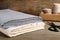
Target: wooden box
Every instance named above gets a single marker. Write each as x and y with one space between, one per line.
52 17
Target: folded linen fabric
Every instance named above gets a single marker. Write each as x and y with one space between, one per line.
13 23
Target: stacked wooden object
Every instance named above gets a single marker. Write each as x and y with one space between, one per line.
50 15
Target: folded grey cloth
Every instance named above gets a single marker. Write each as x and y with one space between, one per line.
10 18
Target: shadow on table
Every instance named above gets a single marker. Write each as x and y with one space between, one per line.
3 35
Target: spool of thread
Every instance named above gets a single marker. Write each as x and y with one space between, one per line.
47 11
56 8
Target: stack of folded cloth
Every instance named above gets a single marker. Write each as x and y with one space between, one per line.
13 23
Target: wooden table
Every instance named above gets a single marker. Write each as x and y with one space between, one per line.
50 18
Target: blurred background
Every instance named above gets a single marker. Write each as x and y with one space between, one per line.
28 6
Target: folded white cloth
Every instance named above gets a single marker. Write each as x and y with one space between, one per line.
13 23
8 15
